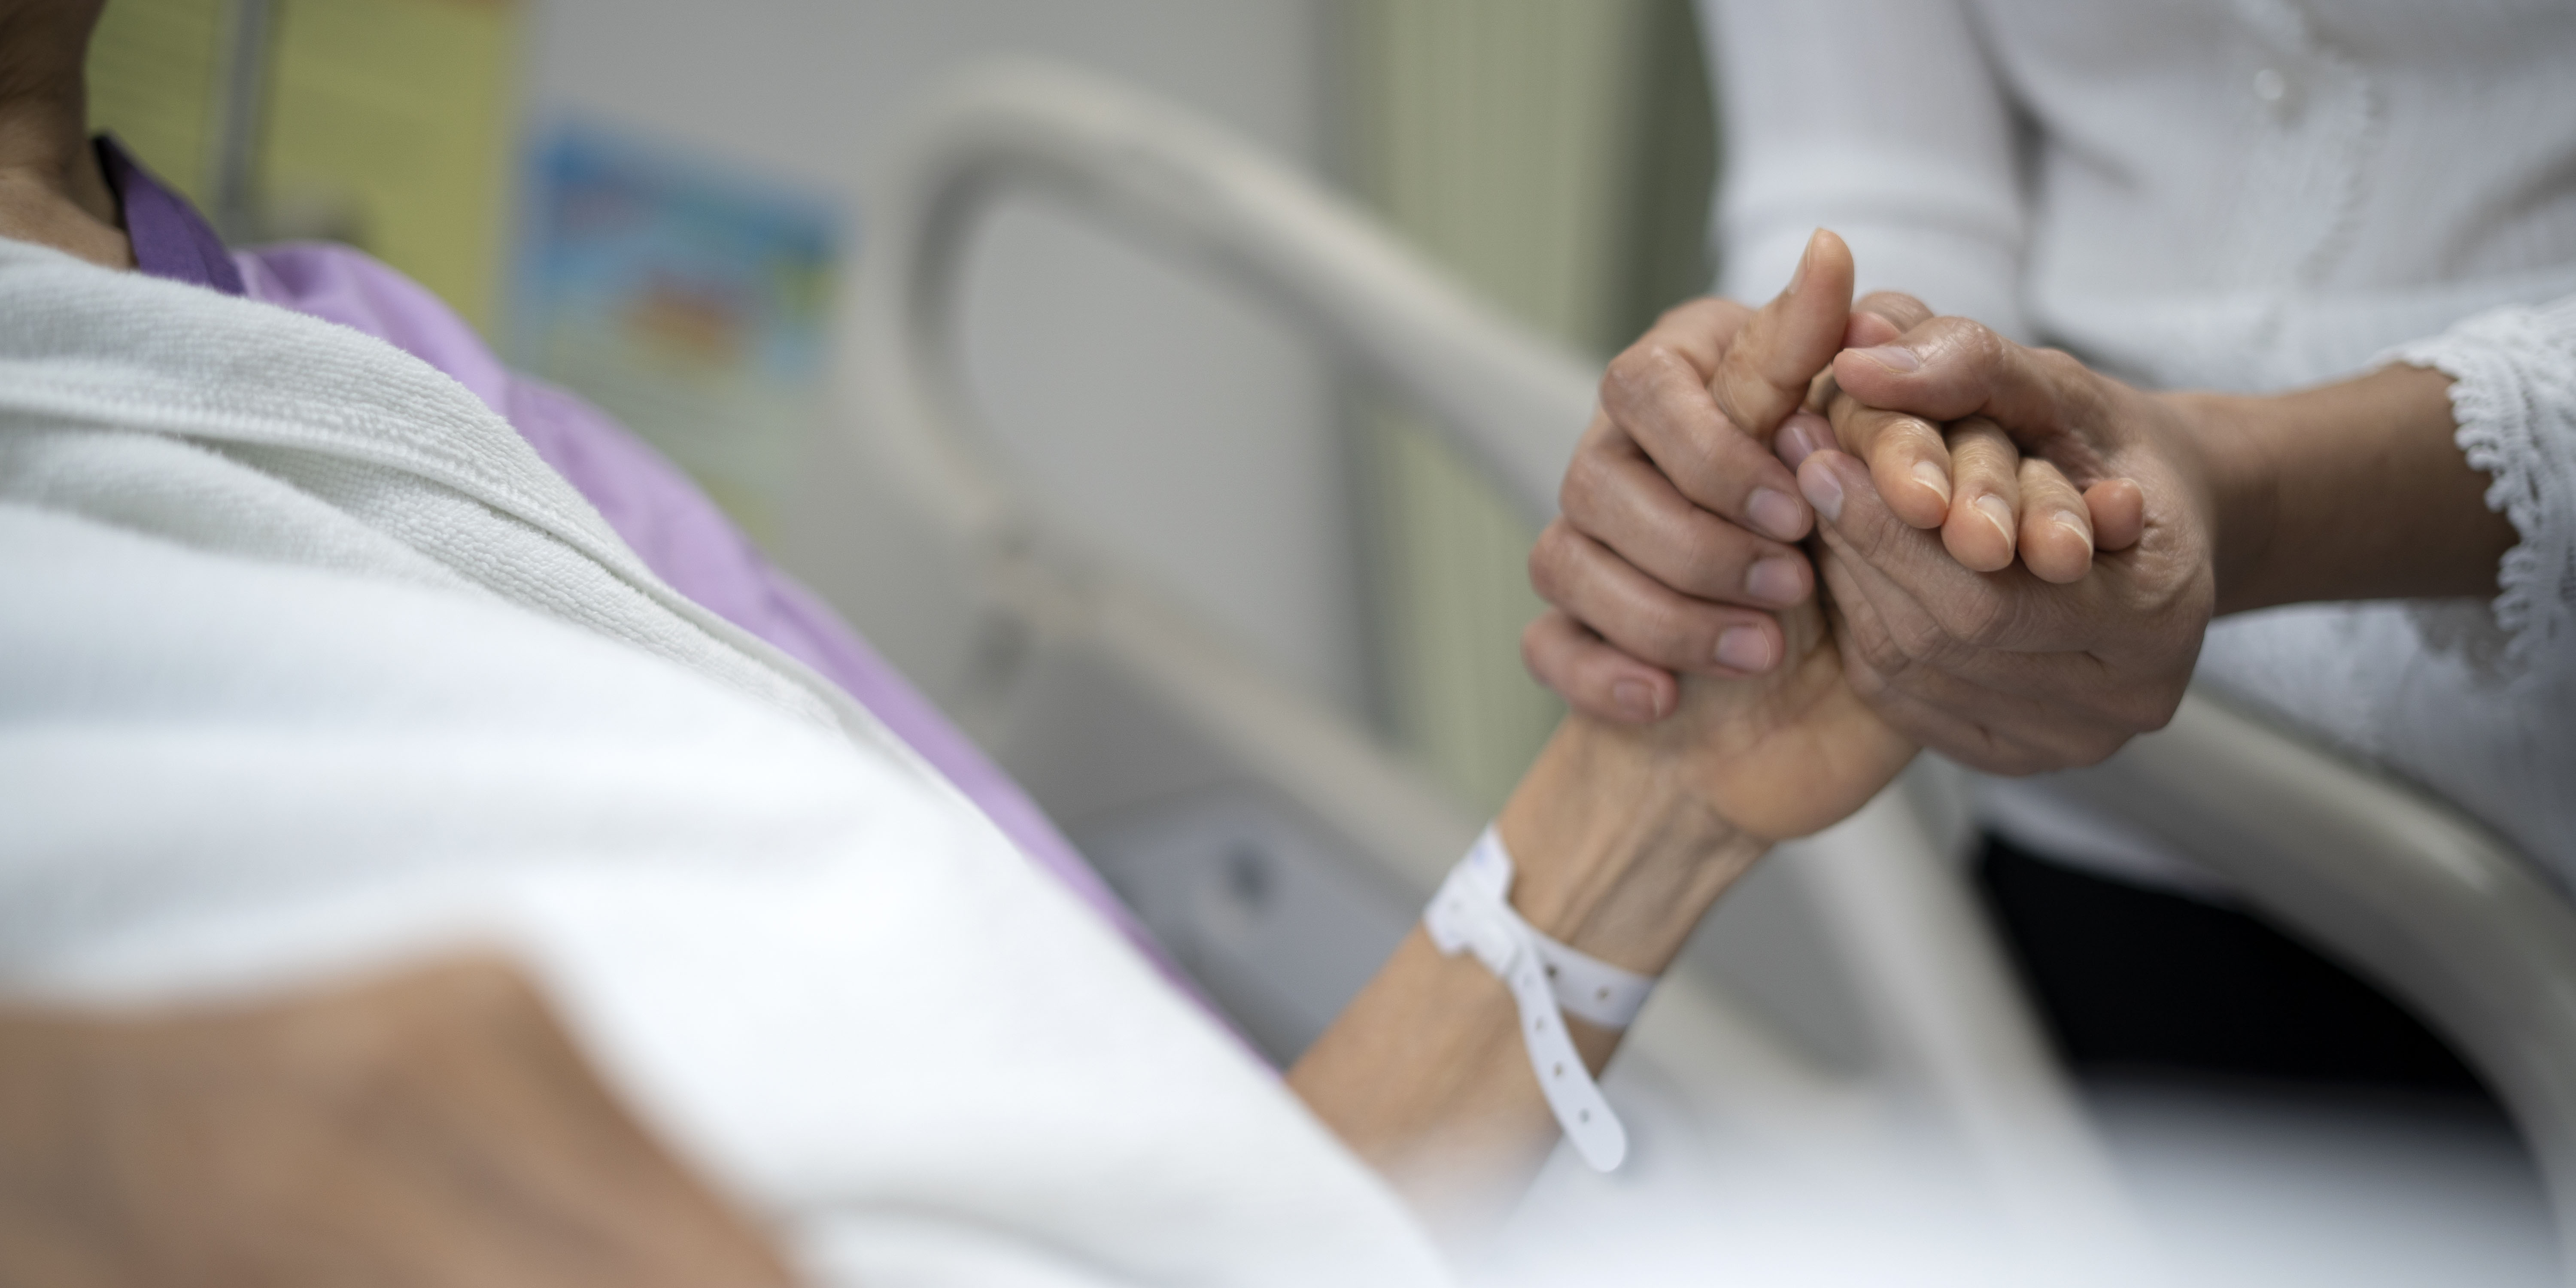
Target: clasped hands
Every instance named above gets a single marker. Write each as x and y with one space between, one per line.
2014 550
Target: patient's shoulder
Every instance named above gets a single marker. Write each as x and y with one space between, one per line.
355 289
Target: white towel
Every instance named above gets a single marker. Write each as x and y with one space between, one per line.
308 663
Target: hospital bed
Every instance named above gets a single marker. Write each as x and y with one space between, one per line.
1848 1000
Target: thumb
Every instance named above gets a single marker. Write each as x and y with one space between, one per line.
1765 373
2050 404
1950 368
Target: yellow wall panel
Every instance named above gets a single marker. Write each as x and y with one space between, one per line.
397 115
153 82
1531 147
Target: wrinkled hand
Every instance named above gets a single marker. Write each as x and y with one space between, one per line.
1676 541
2003 670
1673 548
1661 493
1781 755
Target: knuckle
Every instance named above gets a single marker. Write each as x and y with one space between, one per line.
2057 362
1982 344
1547 559
1905 311
1632 374
1977 619
1882 652
1672 634
1968 340
1538 650
1868 681
1706 552
1697 468
1579 497
1874 426
1917 638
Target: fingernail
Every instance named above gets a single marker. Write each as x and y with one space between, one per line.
1823 491
1798 276
1800 437
1998 514
1935 478
1635 699
2073 522
1744 648
1777 514
1775 581
1894 357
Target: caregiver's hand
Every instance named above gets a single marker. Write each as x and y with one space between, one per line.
2004 670
1673 539
2353 490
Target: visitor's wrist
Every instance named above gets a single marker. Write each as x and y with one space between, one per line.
2229 472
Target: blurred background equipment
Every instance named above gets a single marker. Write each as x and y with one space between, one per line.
687 301
1558 158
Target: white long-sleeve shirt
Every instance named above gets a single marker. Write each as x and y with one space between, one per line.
2247 195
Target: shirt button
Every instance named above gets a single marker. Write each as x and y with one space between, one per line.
2271 86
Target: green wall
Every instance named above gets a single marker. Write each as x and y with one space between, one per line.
1557 155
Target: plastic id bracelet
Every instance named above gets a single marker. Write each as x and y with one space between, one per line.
1548 980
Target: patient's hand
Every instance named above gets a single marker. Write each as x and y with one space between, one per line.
1656 567
1677 539
1622 835
2007 671
1781 755
432 1129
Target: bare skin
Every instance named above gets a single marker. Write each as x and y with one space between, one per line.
2198 504
52 190
2352 490
1652 577
1624 837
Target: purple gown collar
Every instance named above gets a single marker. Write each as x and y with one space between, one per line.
170 238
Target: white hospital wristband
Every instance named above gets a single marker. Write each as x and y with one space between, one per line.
1473 912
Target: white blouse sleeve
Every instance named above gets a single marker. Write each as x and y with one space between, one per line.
2513 394
1883 120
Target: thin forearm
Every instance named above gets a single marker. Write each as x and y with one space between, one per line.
1425 1074
2354 490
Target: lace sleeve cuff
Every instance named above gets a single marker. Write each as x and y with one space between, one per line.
2513 394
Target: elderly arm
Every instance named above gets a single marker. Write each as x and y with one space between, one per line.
1624 835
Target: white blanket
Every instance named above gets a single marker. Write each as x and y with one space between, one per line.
308 664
